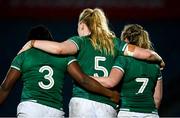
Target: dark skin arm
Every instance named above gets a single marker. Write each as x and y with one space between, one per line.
8 83
91 84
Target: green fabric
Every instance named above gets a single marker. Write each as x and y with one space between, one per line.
93 63
138 84
42 76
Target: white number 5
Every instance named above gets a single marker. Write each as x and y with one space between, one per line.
98 67
48 77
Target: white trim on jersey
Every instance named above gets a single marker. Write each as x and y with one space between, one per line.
130 114
124 47
121 69
159 78
75 44
15 68
72 61
124 109
128 110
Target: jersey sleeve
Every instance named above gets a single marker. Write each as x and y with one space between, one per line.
159 75
18 61
71 59
120 46
120 63
77 41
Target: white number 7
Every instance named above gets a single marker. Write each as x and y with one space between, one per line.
143 86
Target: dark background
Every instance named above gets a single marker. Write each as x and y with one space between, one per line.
161 18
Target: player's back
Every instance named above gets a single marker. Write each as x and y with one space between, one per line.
42 76
93 63
138 84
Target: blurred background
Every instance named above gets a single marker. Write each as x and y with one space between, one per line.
161 18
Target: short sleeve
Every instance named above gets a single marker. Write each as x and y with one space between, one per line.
71 59
120 63
159 75
18 61
77 41
120 46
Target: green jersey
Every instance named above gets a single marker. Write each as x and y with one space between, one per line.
42 76
93 63
138 84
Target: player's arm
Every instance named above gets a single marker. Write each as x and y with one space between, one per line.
112 80
66 47
8 83
143 54
158 93
89 83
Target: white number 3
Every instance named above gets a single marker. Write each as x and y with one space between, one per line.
48 77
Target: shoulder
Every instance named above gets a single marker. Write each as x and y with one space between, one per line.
79 40
78 37
74 37
119 44
33 50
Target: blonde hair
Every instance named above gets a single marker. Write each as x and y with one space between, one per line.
136 35
101 36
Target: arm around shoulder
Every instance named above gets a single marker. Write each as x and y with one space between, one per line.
65 47
89 83
143 54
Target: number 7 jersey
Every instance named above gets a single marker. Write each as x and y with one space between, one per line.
138 84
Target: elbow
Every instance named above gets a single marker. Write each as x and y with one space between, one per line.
111 83
84 80
58 51
150 55
153 56
108 85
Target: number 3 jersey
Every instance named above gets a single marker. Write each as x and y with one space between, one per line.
93 63
138 84
42 76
